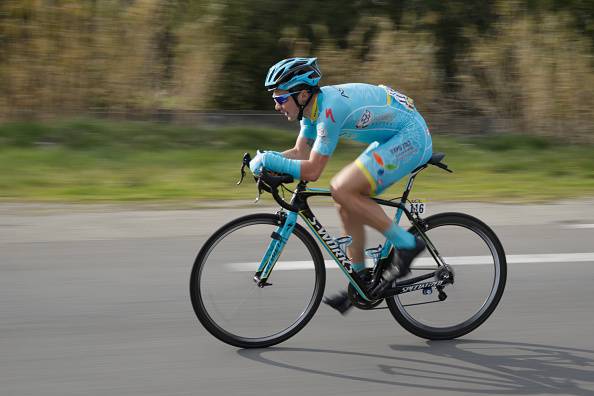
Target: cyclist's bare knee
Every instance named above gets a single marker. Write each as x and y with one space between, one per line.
349 183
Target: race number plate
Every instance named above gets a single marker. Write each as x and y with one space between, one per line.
417 206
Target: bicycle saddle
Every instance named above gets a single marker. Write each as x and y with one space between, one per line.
436 161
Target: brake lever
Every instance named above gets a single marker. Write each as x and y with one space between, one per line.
245 162
242 175
259 190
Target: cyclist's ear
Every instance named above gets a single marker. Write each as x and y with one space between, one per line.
303 95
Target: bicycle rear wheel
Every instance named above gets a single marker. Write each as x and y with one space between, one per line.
229 303
477 258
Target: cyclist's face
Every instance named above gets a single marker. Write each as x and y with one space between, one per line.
288 108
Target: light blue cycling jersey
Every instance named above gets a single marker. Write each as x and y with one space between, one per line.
378 115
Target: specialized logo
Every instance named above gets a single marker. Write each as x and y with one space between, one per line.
365 120
329 114
420 286
332 245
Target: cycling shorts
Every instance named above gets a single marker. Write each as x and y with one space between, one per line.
385 163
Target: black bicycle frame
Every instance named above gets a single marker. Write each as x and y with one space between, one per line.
299 204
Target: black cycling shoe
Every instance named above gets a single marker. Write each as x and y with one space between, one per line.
400 266
340 302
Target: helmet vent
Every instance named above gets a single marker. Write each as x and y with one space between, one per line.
293 71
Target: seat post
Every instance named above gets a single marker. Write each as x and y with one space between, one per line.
409 184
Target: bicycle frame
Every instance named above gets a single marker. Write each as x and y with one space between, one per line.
299 199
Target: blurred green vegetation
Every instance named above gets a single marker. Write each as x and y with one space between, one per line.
88 134
506 88
93 161
522 66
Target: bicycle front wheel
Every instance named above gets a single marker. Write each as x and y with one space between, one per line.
228 302
478 261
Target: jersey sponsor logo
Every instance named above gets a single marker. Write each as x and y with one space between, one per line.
378 158
382 166
409 103
365 120
329 114
386 117
342 93
401 98
404 150
321 128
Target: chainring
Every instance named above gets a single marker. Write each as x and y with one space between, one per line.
357 300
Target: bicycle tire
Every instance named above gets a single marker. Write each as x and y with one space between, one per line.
219 331
405 319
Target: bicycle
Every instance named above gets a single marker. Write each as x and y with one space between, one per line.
238 301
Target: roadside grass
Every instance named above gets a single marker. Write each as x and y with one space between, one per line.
99 161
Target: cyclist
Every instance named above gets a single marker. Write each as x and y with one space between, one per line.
398 138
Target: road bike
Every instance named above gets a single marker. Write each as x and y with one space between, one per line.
259 279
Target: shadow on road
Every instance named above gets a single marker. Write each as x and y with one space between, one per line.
475 366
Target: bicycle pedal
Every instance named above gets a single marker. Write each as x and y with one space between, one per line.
442 295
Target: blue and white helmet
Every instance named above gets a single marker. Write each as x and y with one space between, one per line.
292 72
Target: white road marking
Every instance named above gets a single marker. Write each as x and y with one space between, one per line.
425 261
579 226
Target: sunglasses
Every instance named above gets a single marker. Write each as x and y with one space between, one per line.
282 99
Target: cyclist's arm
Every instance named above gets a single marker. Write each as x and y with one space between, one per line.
304 143
312 168
302 149
327 135
308 169
314 146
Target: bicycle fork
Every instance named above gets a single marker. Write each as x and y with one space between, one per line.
277 243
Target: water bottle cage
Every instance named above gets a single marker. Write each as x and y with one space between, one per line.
374 253
344 242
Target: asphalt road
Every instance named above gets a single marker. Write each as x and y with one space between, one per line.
94 301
